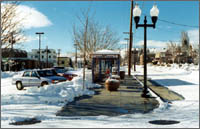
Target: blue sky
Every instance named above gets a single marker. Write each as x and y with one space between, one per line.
58 18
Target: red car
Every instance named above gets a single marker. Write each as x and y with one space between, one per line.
65 73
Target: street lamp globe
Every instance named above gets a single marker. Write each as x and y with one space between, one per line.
154 13
136 13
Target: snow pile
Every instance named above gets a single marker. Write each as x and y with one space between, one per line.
60 93
9 74
41 103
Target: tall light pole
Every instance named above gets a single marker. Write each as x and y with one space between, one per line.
39 33
58 57
154 16
47 54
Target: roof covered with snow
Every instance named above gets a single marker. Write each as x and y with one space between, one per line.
105 51
155 50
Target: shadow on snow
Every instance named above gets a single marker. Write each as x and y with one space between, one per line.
172 82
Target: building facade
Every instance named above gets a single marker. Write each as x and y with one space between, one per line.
17 60
64 61
44 53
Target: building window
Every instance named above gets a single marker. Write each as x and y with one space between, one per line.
49 56
36 56
42 57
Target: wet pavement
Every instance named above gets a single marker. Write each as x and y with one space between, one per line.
124 101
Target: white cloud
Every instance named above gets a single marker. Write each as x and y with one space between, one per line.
153 44
194 36
32 17
29 17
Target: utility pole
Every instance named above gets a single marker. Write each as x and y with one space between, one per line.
75 45
39 33
58 57
130 37
47 51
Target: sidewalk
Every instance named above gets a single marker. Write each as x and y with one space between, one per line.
124 101
165 94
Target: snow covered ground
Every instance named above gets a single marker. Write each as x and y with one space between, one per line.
43 103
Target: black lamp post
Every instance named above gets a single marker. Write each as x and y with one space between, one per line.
39 33
154 15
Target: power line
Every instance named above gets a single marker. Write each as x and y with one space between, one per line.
174 22
178 24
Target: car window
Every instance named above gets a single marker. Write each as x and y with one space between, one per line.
60 70
49 73
41 73
54 71
27 74
33 74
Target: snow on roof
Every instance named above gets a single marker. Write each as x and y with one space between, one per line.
66 55
155 50
78 59
105 51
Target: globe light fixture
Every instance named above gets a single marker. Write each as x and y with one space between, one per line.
154 14
136 13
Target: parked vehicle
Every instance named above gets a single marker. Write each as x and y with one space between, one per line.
50 74
65 72
35 78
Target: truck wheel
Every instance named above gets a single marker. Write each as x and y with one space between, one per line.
19 86
44 83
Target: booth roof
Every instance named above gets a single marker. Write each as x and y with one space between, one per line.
104 51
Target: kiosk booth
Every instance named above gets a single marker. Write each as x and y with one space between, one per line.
105 63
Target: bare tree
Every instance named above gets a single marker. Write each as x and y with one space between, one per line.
172 49
10 24
98 37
